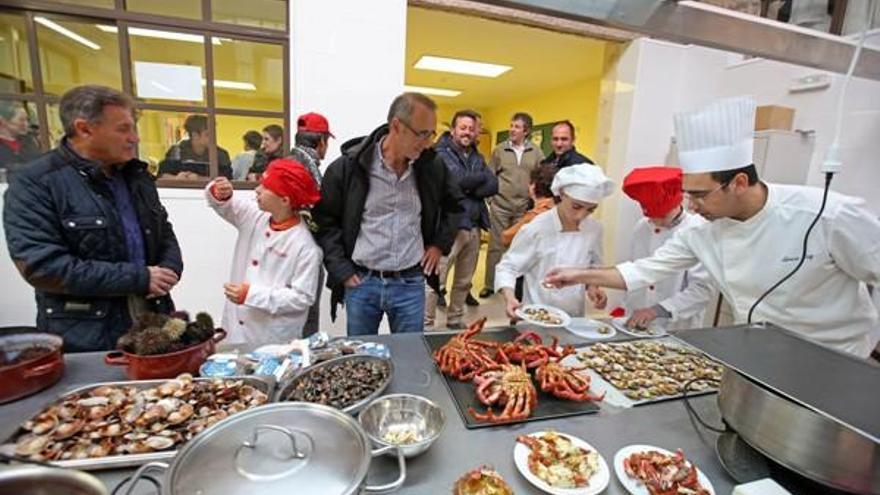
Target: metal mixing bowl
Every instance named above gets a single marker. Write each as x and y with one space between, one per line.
403 413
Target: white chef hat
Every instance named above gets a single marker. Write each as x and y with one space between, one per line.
582 182
717 137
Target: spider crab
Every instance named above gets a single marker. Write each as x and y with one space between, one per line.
528 348
462 357
507 385
562 381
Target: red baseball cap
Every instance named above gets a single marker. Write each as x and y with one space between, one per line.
657 189
313 122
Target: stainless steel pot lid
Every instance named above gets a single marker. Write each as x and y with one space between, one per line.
273 449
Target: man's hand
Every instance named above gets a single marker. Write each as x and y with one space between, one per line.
642 318
597 296
353 281
161 281
431 260
562 277
221 189
234 292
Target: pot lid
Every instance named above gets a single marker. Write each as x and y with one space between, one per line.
273 449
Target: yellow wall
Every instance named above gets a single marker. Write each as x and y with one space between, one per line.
578 103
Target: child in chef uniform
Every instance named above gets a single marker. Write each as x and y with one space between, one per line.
561 236
680 299
275 266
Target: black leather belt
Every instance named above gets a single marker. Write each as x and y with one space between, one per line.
406 272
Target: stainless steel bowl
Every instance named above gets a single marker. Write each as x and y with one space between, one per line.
287 391
403 413
39 480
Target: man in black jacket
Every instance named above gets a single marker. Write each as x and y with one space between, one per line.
388 212
564 153
85 227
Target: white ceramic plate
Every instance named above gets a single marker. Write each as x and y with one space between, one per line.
588 328
656 329
521 312
636 487
597 483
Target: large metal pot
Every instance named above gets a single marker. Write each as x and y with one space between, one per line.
167 365
39 480
33 374
798 438
277 449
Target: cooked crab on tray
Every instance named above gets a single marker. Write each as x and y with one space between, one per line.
505 374
124 419
650 370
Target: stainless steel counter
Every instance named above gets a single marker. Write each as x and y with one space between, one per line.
665 425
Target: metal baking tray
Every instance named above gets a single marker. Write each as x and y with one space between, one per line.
266 384
285 391
465 397
615 396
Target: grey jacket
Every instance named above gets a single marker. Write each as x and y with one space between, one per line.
513 177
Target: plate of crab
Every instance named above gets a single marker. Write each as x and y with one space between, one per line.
647 470
503 376
561 464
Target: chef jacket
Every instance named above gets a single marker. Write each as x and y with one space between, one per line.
281 267
684 295
542 245
826 300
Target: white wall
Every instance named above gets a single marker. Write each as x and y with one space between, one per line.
347 63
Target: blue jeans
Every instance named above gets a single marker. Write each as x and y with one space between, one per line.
403 299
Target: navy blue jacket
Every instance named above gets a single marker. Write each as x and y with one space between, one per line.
475 179
66 239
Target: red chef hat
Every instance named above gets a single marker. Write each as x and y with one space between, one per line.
290 179
657 189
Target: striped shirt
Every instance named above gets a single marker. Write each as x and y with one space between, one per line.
391 233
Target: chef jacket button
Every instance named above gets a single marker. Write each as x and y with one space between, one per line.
656 231
255 262
288 286
650 287
268 234
241 322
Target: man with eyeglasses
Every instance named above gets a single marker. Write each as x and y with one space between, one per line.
389 210
755 237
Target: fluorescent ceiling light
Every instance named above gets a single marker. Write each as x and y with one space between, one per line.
432 91
219 83
458 66
67 32
155 33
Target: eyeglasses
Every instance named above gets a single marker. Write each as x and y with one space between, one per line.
422 135
700 196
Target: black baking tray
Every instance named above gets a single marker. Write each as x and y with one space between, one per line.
464 393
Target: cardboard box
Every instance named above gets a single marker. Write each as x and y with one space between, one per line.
774 117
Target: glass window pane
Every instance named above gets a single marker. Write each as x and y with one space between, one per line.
176 144
15 60
249 75
231 131
75 52
269 14
167 66
189 9
19 135
56 130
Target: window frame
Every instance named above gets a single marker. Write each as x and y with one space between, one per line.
123 20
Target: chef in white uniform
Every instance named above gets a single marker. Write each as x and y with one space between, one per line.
561 236
755 237
682 298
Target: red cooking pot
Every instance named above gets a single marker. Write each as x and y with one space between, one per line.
168 365
41 365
